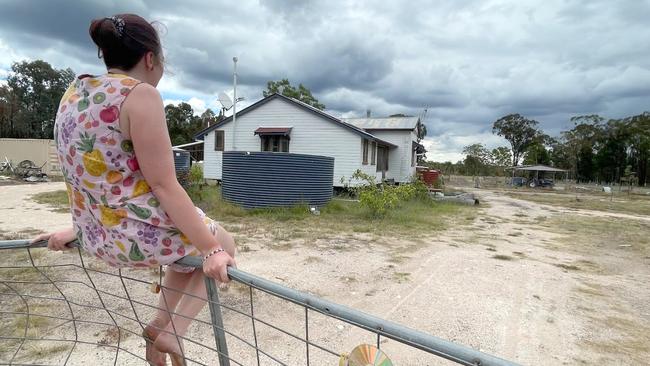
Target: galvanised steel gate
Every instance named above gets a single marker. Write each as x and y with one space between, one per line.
17 284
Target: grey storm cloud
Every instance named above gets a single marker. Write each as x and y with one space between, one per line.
468 62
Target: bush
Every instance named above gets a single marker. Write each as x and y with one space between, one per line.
196 175
379 198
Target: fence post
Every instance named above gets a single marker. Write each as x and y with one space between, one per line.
217 321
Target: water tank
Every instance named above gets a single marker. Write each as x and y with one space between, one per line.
182 165
428 176
266 179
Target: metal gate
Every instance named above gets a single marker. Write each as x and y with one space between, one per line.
25 284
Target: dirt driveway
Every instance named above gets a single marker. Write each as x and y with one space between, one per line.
508 283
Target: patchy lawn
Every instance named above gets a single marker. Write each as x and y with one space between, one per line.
57 200
413 218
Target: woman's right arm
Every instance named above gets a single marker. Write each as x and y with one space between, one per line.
147 126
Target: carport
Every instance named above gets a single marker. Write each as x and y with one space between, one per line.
539 168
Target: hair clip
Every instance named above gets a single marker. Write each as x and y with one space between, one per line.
119 24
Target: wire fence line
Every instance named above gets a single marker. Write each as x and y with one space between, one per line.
25 291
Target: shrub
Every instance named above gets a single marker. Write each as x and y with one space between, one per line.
196 175
379 198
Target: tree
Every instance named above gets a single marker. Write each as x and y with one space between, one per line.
612 151
518 130
476 158
421 131
478 151
500 156
579 145
208 118
8 108
31 98
536 152
300 93
639 132
182 123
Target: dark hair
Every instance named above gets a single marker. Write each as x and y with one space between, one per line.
124 39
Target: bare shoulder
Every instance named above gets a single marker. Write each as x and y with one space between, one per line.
144 105
142 95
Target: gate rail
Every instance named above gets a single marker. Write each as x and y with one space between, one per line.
382 328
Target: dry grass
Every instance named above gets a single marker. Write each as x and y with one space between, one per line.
56 200
285 225
568 267
401 277
621 203
631 340
111 335
503 257
312 259
398 258
587 234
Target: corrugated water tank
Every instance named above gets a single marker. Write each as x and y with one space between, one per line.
182 164
266 179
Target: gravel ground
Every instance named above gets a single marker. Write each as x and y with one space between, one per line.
493 284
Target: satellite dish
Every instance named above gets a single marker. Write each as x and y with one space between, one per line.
225 100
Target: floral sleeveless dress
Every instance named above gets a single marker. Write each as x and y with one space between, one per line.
116 216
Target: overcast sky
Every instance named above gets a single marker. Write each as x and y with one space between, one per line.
470 62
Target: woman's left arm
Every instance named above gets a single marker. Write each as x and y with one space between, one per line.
57 240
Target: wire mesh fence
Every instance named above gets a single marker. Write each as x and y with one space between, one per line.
72 310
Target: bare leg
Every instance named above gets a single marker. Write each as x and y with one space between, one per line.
166 303
172 290
179 281
187 307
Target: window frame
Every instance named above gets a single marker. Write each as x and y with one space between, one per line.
373 153
364 152
382 157
218 133
271 141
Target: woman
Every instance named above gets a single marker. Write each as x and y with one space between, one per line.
127 206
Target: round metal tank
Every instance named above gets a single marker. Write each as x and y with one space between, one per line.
182 165
264 179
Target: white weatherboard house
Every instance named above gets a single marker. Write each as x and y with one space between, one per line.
381 147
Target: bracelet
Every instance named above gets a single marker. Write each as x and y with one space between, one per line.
213 252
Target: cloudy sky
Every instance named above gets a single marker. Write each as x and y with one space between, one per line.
468 61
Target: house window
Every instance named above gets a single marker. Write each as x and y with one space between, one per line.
413 157
382 159
218 141
273 143
365 152
373 152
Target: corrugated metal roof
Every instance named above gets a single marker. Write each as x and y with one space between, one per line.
201 134
384 123
541 168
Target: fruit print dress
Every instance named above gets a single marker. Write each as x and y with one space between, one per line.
116 216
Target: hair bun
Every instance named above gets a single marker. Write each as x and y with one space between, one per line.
123 39
103 33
